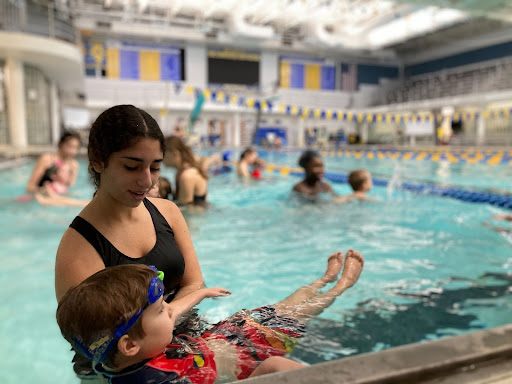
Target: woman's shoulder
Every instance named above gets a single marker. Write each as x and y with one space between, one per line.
47 158
73 244
190 174
300 186
326 186
164 206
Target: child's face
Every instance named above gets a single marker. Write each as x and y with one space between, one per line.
155 191
158 324
368 184
61 174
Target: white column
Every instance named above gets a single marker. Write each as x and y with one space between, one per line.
364 133
300 132
15 87
55 116
269 72
228 131
480 128
236 130
196 65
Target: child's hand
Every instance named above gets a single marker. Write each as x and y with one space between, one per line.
215 292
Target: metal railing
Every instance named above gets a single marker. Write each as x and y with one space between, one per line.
38 18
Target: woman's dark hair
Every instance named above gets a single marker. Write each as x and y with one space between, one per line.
306 158
68 135
116 129
246 152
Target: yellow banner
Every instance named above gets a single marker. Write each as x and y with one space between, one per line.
284 75
312 76
113 63
149 65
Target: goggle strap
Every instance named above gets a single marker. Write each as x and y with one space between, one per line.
123 328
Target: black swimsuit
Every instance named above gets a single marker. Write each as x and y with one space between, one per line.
165 255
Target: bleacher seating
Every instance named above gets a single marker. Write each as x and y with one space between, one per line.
482 77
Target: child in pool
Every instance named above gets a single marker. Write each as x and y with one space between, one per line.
126 329
52 191
257 169
361 183
161 189
59 180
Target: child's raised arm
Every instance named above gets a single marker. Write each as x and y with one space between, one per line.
185 303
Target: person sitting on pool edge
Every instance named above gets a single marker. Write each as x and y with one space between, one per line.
312 185
126 329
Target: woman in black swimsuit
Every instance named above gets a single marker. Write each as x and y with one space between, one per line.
191 179
121 225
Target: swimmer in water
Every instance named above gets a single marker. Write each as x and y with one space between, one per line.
312 185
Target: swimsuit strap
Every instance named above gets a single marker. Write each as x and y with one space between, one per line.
100 243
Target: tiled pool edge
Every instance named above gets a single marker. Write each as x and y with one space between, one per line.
412 363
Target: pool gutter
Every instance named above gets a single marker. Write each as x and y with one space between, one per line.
479 357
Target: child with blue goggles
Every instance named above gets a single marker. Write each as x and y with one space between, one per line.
126 328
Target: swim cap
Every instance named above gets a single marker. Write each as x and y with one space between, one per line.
226 156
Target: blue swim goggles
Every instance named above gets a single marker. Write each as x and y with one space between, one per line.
99 349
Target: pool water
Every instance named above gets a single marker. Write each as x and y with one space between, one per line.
431 269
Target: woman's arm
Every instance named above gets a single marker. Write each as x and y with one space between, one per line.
43 163
192 277
76 260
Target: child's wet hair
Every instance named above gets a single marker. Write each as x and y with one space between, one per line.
357 178
164 188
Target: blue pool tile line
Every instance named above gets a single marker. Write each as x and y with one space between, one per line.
451 155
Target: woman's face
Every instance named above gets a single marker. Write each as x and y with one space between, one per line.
132 172
69 148
315 168
251 157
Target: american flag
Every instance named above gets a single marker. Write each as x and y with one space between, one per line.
349 77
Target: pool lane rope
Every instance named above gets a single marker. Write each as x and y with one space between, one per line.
470 196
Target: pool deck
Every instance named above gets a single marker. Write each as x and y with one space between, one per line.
483 357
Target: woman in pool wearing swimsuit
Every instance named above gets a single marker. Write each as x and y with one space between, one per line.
191 179
121 225
47 163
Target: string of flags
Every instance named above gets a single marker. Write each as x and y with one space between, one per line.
267 106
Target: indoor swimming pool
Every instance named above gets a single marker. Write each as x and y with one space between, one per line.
431 268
